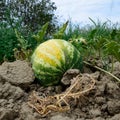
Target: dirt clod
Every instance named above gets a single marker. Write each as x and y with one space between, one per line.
7 114
95 112
17 73
115 117
101 103
69 74
8 91
113 106
60 117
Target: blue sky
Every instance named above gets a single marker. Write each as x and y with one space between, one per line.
80 10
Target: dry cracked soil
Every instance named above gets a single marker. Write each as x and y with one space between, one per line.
17 82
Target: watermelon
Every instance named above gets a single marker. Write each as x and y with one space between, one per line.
52 59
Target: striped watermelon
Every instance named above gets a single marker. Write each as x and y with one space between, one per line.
52 58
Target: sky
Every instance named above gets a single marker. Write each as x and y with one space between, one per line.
79 11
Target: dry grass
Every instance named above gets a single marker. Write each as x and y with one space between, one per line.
80 85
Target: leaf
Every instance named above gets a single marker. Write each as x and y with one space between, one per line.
113 48
40 35
22 41
92 21
113 33
92 33
61 31
24 52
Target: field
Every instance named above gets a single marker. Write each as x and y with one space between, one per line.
91 92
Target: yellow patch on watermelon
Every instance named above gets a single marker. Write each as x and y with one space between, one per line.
50 52
53 49
45 58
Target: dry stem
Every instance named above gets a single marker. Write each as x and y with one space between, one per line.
79 86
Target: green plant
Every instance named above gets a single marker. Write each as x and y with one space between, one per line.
98 37
41 34
59 34
72 31
8 42
40 37
112 48
24 52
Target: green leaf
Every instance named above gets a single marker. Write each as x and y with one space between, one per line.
22 41
92 21
113 48
40 35
92 33
113 33
61 31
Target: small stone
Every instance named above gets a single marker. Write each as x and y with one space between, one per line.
7 114
18 93
10 101
58 89
100 89
99 118
96 75
104 107
3 102
26 112
69 74
60 117
115 117
95 112
113 107
117 66
112 88
100 100
50 88
80 119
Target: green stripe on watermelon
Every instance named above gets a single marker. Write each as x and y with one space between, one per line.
63 61
50 80
76 58
45 68
65 46
51 60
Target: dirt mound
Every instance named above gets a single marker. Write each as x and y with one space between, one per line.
17 73
101 103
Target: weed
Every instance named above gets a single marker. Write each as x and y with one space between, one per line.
59 34
41 34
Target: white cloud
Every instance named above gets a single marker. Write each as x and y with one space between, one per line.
80 10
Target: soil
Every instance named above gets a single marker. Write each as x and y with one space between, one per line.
17 82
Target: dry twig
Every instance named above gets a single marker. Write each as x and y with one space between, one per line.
79 86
